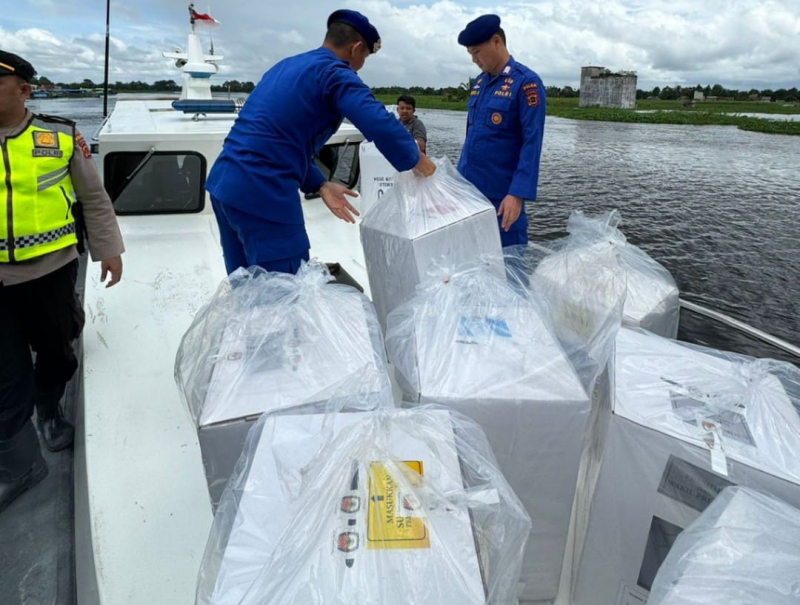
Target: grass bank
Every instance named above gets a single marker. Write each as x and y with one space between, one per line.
658 112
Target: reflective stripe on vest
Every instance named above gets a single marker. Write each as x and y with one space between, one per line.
36 191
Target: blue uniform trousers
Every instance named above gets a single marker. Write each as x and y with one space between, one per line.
252 240
517 237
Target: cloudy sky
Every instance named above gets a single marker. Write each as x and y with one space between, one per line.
737 43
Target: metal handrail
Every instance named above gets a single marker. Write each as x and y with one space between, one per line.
776 342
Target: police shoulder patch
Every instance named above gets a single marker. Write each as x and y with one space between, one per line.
84 147
531 91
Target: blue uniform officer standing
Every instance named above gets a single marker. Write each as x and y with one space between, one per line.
267 156
505 126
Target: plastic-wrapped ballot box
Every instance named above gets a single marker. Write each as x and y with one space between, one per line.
309 343
744 549
687 422
377 175
652 297
502 367
421 221
365 510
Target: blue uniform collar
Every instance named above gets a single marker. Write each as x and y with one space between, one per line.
506 71
329 52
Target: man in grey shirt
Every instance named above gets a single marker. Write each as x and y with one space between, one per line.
406 105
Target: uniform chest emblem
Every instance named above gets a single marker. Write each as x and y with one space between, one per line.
44 139
496 118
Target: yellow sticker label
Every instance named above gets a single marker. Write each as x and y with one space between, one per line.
393 519
44 139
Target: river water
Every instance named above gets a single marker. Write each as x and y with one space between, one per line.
719 207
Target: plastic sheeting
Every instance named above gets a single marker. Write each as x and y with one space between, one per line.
735 406
470 341
269 341
422 220
651 295
582 283
743 550
397 507
688 422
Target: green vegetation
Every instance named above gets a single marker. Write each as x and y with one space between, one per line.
673 112
138 86
668 105
658 112
426 102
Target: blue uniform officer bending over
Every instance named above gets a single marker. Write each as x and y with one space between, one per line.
267 156
505 126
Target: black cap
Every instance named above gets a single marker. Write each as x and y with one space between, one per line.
361 24
479 31
14 65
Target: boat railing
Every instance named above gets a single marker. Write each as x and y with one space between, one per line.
720 317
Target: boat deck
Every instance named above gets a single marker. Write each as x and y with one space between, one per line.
37 547
142 507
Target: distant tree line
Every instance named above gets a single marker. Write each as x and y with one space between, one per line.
790 95
139 86
453 93
666 93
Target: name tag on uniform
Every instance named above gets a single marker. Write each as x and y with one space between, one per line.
47 153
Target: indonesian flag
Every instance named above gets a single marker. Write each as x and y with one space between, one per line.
201 18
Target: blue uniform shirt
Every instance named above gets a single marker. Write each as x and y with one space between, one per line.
505 126
297 106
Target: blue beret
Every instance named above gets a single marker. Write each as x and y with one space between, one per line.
479 31
359 23
14 65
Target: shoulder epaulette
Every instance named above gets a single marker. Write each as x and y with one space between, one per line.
55 119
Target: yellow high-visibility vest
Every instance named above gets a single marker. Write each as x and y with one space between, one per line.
36 192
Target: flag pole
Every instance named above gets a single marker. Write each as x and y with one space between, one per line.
105 71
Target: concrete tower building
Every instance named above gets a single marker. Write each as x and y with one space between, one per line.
601 87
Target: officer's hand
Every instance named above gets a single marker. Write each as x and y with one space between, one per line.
424 167
112 266
333 194
510 209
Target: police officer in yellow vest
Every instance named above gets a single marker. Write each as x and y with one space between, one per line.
46 167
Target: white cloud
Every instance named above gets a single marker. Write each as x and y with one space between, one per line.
743 44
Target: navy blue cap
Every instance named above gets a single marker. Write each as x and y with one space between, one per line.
14 65
361 24
479 31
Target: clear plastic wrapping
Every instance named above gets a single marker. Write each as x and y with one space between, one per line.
588 274
269 341
421 220
688 422
743 550
397 507
733 405
651 297
470 341
275 340
582 282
